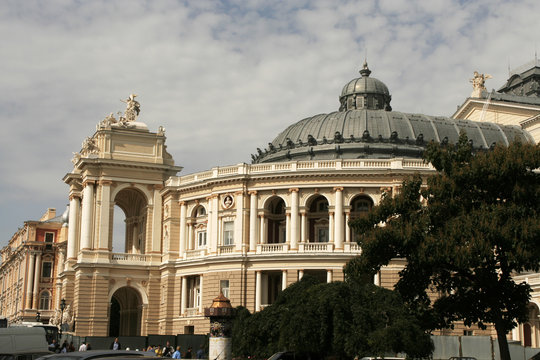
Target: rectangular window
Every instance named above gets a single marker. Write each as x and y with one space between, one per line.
224 287
322 234
46 269
194 286
228 233
201 239
49 239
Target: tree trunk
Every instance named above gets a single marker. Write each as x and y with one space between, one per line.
503 343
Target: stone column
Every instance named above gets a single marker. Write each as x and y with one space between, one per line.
183 240
184 297
303 229
294 219
288 228
87 215
201 289
156 220
331 227
252 221
239 221
213 224
30 281
191 244
283 279
59 269
300 274
73 241
338 220
37 275
262 227
105 214
258 290
328 276
347 228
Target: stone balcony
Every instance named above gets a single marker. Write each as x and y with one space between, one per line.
300 166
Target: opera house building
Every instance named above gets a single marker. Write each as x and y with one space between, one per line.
247 230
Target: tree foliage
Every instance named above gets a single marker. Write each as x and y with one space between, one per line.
474 226
340 319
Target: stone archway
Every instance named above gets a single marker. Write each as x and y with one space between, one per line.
134 204
125 312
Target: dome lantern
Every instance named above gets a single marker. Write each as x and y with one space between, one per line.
365 93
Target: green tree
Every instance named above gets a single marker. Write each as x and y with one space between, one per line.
475 225
340 319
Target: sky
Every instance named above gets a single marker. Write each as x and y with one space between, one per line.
225 77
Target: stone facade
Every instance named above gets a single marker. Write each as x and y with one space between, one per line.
248 231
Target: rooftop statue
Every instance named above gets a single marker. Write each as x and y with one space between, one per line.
133 108
478 82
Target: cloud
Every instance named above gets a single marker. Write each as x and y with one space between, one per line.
224 77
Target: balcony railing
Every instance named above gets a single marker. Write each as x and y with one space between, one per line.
294 166
124 257
272 248
196 253
192 311
315 247
226 249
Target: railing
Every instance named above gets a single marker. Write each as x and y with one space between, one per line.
197 253
226 249
292 166
272 248
192 311
315 247
129 257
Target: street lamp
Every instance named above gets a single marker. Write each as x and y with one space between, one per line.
38 317
62 307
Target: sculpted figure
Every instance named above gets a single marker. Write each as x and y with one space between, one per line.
108 121
89 146
133 108
478 82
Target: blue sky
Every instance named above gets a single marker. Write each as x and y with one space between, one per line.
225 77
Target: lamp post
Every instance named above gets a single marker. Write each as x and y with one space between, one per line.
62 307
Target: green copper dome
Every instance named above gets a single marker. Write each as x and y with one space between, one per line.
366 127
365 92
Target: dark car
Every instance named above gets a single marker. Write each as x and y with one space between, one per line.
291 355
99 354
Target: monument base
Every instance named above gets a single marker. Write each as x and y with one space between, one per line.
219 348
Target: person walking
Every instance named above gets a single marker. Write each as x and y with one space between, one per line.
177 354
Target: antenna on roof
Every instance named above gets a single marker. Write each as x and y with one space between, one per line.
508 61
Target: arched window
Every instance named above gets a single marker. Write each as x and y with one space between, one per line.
200 227
360 206
45 300
275 217
318 220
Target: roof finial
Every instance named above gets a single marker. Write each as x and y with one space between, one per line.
365 70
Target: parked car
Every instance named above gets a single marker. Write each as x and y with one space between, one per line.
100 354
22 343
291 355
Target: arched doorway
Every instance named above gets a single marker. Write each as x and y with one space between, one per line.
275 215
134 205
318 220
125 313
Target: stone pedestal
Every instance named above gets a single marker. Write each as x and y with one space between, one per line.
220 314
219 348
